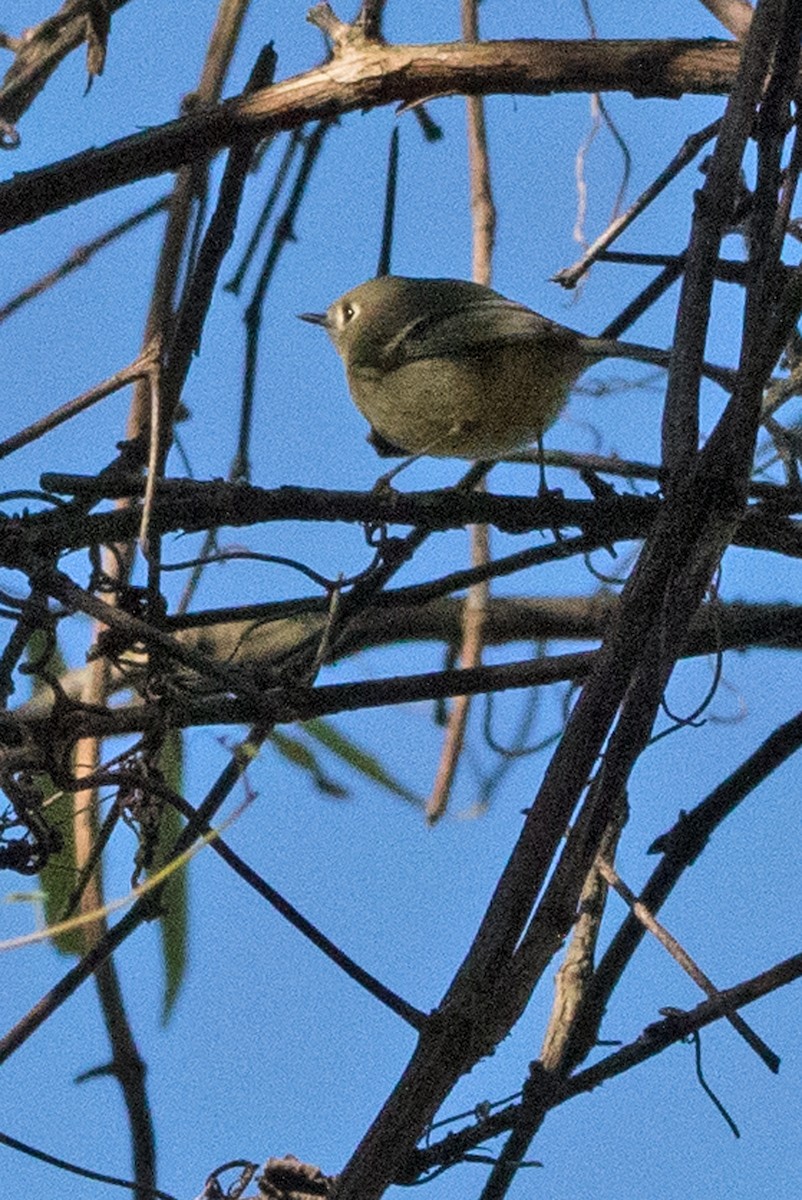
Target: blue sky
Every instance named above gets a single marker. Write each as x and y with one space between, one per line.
270 1049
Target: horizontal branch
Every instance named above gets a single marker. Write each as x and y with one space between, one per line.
716 628
366 77
190 506
679 1025
253 640
675 1027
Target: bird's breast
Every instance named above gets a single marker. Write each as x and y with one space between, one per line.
482 405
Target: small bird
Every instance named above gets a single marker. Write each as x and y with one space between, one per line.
450 368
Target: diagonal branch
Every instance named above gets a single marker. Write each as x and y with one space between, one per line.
631 668
38 53
377 75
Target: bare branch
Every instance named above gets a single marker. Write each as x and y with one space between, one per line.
382 75
735 15
39 51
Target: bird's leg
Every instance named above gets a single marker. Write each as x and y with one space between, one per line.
385 448
542 488
383 482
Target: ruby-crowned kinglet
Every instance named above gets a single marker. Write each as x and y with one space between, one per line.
452 368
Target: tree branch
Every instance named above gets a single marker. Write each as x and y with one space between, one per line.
377 75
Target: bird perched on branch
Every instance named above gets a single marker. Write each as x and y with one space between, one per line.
453 369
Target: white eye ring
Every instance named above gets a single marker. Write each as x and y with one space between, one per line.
349 311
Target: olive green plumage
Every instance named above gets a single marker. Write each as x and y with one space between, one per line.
452 368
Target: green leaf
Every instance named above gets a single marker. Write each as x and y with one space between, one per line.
358 759
56 666
59 876
300 755
174 918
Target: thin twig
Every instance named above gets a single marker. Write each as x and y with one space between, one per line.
72 1168
384 264
80 256
140 368
284 233
570 987
352 969
570 276
295 140
681 956
483 219
676 1027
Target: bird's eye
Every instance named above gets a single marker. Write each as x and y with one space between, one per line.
349 312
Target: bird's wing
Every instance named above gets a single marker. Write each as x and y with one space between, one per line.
472 329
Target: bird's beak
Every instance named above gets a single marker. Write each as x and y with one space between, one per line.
313 318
